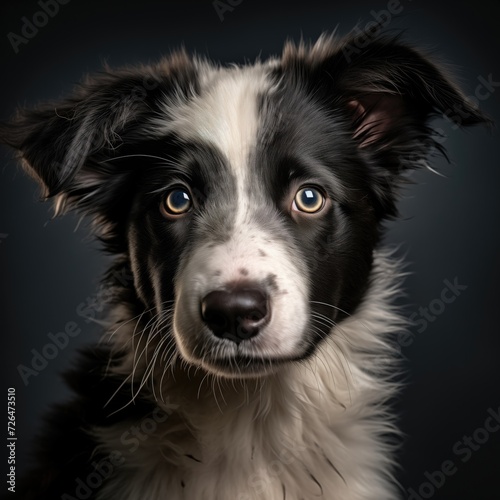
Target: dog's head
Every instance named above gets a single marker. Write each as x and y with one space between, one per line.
247 200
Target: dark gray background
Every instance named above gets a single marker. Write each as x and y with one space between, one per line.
449 227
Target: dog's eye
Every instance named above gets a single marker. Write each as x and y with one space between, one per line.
176 202
309 200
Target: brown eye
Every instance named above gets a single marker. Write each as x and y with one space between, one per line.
177 202
308 200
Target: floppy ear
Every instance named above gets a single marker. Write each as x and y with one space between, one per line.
66 145
387 92
393 90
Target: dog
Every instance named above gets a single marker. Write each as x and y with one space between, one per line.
249 346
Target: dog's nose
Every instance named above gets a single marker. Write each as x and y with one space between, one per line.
237 314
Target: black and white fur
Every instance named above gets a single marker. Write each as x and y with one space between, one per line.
298 411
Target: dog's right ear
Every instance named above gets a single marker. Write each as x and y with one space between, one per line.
66 145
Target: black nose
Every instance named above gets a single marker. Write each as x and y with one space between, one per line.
237 314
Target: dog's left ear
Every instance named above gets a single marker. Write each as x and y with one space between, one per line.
387 89
389 85
386 93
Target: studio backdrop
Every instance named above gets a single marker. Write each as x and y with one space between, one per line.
449 403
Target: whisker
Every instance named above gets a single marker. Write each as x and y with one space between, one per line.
154 157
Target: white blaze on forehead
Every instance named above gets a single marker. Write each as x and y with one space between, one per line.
224 113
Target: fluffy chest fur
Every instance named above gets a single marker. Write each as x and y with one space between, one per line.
314 429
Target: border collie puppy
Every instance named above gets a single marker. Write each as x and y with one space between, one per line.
249 349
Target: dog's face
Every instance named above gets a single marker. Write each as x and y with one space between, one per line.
246 200
259 223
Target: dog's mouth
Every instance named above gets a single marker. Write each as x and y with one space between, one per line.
245 358
244 366
242 359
